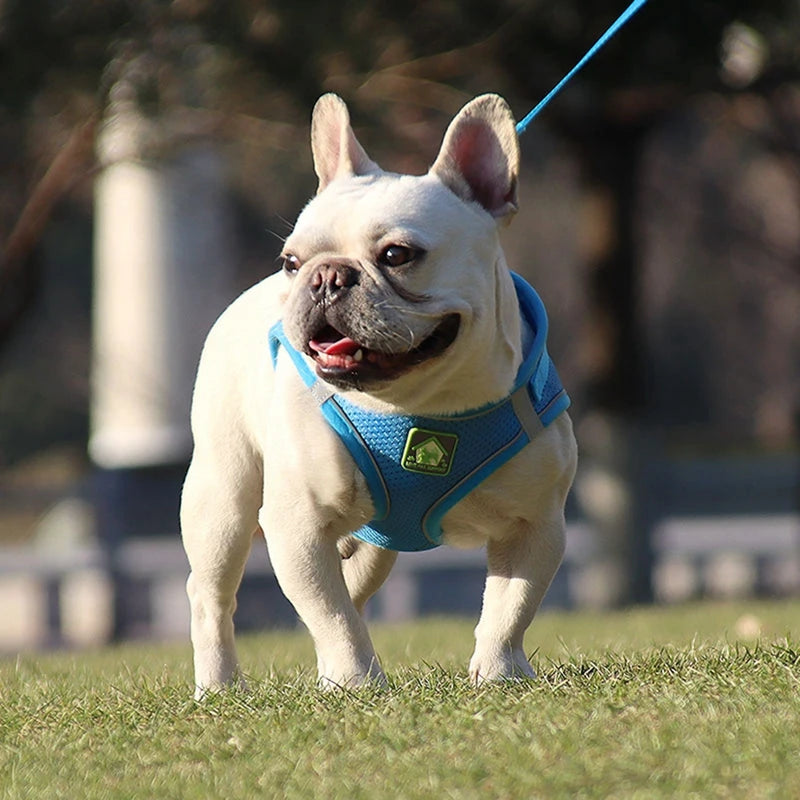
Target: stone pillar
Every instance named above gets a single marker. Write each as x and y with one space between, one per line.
162 274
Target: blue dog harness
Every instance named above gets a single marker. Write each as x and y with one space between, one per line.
417 468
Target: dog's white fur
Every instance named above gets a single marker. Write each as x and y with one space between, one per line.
266 460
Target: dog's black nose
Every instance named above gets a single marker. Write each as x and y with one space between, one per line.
331 280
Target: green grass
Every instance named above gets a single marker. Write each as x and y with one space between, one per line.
680 702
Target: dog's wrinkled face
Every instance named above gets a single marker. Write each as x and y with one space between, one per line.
370 293
389 272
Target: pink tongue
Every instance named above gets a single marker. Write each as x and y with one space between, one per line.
344 346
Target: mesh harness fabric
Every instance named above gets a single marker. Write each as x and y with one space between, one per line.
416 467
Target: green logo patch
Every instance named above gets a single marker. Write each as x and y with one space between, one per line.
429 452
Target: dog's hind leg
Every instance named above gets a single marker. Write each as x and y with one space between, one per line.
365 568
218 519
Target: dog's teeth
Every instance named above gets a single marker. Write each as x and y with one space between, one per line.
358 355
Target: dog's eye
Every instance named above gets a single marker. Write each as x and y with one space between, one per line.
290 263
395 255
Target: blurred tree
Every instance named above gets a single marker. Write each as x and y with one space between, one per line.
272 59
668 51
266 62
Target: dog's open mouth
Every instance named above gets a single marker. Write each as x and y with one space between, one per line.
343 361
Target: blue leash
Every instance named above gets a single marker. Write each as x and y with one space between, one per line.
621 20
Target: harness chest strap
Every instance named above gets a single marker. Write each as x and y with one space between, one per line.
417 468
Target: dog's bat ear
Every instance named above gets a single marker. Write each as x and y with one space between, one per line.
336 151
479 158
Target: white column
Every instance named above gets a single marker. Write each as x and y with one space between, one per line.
163 272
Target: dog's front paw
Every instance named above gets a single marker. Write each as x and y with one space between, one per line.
204 690
350 676
508 664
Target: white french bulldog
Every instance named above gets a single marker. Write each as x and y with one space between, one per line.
395 318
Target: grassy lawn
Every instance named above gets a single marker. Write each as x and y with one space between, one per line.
697 701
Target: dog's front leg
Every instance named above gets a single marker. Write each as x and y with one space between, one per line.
307 565
218 519
521 567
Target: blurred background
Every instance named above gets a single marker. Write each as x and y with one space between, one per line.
153 154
